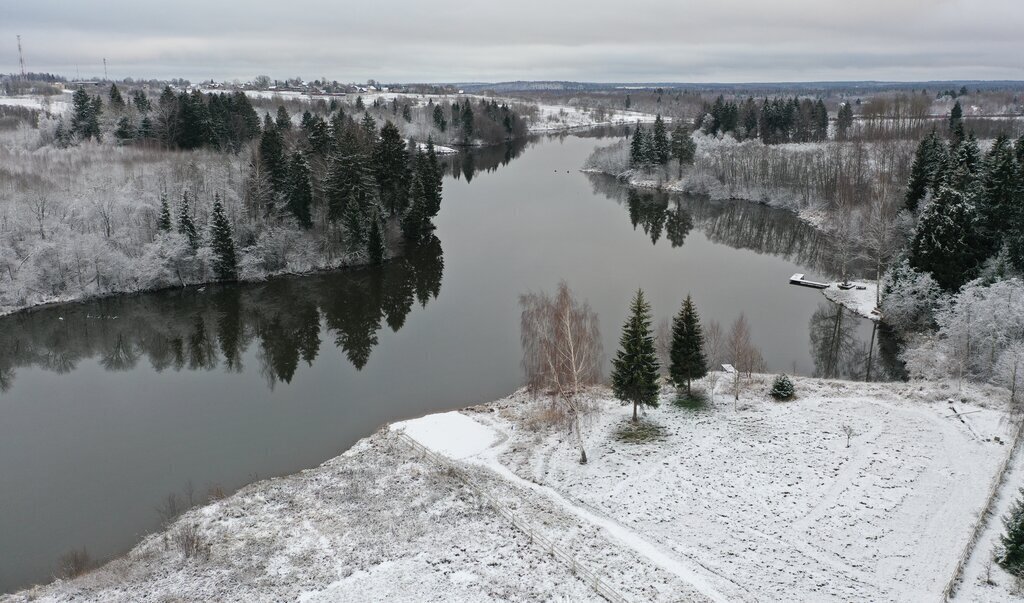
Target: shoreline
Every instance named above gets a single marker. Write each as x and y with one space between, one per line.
315 535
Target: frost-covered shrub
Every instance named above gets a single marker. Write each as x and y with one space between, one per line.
909 299
975 327
782 388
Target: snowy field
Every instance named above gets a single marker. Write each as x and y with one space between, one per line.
556 118
57 104
760 502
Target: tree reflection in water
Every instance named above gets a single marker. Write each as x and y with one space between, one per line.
837 347
203 330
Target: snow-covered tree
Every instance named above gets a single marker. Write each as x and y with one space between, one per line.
687 351
225 261
948 242
635 367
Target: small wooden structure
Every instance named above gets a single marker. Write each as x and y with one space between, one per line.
798 279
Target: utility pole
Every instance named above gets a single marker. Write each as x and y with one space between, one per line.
21 58
105 69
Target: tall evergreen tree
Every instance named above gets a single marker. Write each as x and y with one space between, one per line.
639 149
375 240
635 367
416 219
369 127
687 350
185 224
844 120
141 102
466 122
349 181
392 171
116 100
439 120
225 262
272 156
659 142
300 190
283 121
922 171
684 149
433 179
164 221
948 242
956 116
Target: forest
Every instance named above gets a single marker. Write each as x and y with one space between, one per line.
130 192
929 207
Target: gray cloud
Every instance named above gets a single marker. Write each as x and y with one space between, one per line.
444 40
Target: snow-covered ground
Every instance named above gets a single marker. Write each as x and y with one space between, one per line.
769 501
57 104
861 299
556 118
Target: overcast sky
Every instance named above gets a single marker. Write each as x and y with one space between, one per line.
465 40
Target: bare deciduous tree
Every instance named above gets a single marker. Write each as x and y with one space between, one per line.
741 350
562 353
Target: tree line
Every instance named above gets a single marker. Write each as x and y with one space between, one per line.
347 180
970 206
774 121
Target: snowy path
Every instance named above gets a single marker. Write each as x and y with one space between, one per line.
459 437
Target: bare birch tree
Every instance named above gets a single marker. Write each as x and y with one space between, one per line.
562 353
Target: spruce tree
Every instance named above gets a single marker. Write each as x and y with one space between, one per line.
369 127
141 102
272 156
359 104
1002 188
349 180
956 116
390 162
638 147
164 221
684 149
433 180
185 224
407 113
1011 557
416 219
116 100
687 350
844 119
300 190
947 241
635 367
439 120
375 240
659 142
922 171
125 130
466 122
225 262
283 120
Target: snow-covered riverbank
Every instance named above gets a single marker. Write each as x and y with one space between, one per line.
763 502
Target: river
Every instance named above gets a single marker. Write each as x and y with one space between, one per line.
107 407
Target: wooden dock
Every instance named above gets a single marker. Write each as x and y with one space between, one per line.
798 279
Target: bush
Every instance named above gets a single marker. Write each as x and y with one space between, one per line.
1011 557
782 388
190 542
74 563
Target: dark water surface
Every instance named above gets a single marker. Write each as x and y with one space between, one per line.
107 407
